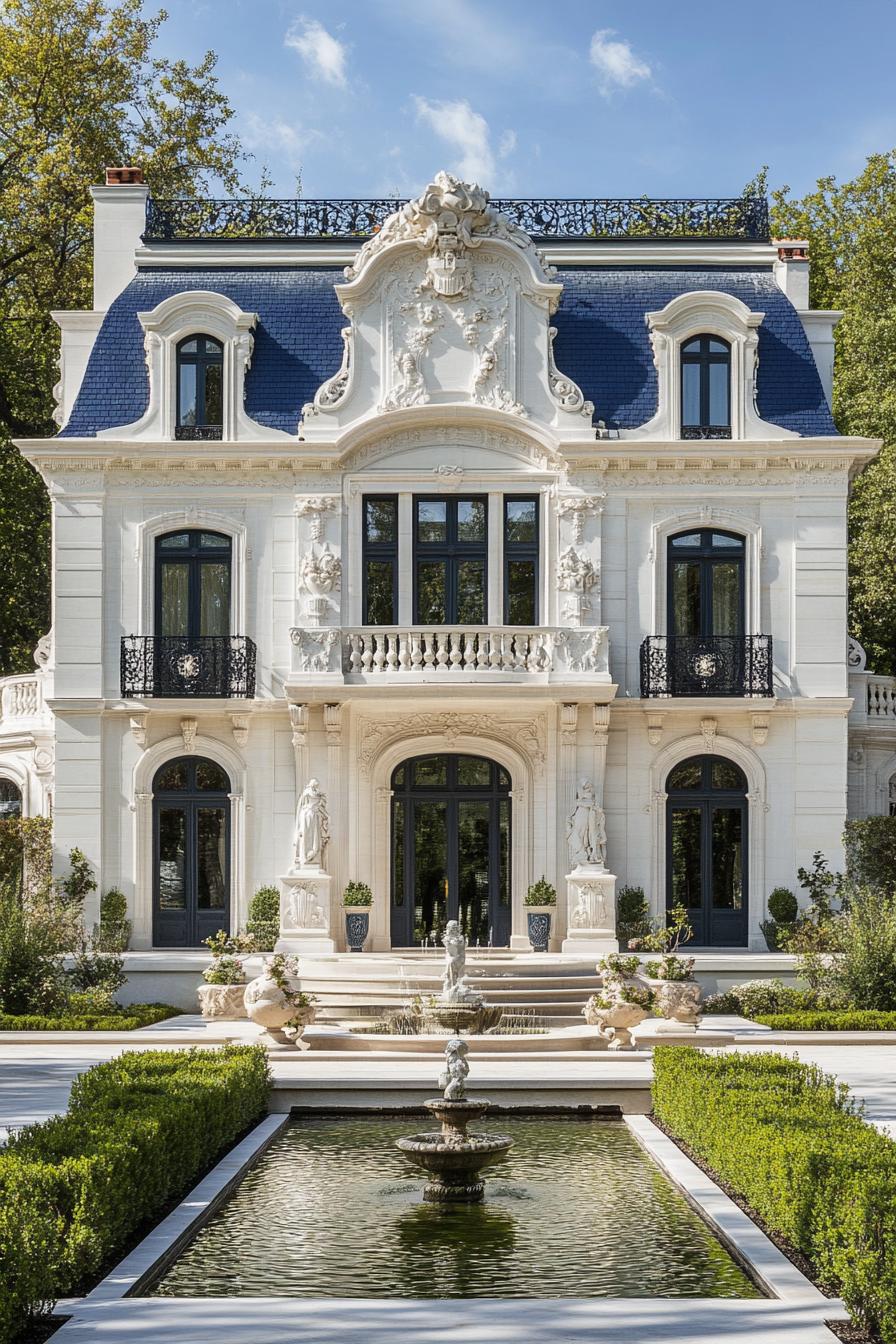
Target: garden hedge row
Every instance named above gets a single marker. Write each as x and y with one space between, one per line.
139 1130
129 1019
790 1142
846 1019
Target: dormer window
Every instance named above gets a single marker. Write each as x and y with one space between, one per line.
200 388
706 388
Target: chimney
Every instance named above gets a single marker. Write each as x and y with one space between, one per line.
119 218
792 270
124 177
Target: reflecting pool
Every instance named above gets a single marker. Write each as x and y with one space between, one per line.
576 1209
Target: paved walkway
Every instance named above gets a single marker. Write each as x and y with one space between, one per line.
35 1078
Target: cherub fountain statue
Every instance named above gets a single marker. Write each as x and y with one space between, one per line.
453 1158
459 1007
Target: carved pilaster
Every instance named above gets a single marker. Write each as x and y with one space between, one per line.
298 718
600 728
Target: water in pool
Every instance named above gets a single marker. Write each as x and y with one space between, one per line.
576 1209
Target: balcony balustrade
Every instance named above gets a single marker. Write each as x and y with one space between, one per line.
217 666
723 665
455 653
21 698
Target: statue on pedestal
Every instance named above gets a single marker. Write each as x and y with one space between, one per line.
312 832
586 831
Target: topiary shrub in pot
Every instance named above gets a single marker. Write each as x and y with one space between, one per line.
263 924
540 901
783 908
357 900
225 980
632 916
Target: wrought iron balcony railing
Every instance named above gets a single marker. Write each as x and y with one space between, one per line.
726 219
731 665
218 666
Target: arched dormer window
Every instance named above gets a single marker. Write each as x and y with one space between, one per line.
705 388
705 349
200 388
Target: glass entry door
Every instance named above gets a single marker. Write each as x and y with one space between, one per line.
706 854
191 852
450 850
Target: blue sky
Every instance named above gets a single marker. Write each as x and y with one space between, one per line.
563 97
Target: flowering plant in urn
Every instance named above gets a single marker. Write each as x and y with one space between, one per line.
622 1002
677 993
225 979
274 1002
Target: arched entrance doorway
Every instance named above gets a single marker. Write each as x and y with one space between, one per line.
450 840
191 852
706 838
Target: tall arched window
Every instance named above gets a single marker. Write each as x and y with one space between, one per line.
200 388
193 583
10 799
706 839
191 847
706 388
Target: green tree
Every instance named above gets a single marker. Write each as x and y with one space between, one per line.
80 88
851 228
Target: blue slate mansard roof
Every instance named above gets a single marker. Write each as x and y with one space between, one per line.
602 342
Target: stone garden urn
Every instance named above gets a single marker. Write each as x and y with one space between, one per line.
222 1002
678 1000
271 1008
614 1021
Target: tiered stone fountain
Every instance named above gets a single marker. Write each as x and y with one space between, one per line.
454 1158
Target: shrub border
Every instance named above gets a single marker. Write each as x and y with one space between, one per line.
791 1144
131 1018
77 1188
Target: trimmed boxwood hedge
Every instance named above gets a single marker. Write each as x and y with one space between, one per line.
139 1130
788 1139
846 1019
129 1019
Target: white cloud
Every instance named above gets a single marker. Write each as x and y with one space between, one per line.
276 136
457 124
507 144
616 63
324 54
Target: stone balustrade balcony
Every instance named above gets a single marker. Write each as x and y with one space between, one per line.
21 703
405 655
874 700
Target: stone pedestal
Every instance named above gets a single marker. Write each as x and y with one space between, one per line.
591 911
305 913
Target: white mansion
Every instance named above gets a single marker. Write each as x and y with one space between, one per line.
456 510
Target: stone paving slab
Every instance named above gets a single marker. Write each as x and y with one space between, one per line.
279 1320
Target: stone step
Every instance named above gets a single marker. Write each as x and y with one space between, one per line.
400 994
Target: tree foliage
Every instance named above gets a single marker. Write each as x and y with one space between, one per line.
851 229
80 88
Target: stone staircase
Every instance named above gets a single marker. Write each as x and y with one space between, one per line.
535 991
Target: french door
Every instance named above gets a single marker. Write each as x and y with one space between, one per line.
191 852
706 849
450 850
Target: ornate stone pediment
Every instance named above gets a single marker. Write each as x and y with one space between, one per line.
449 305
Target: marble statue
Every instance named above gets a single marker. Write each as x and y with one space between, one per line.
455 945
453 1079
455 987
312 826
586 830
